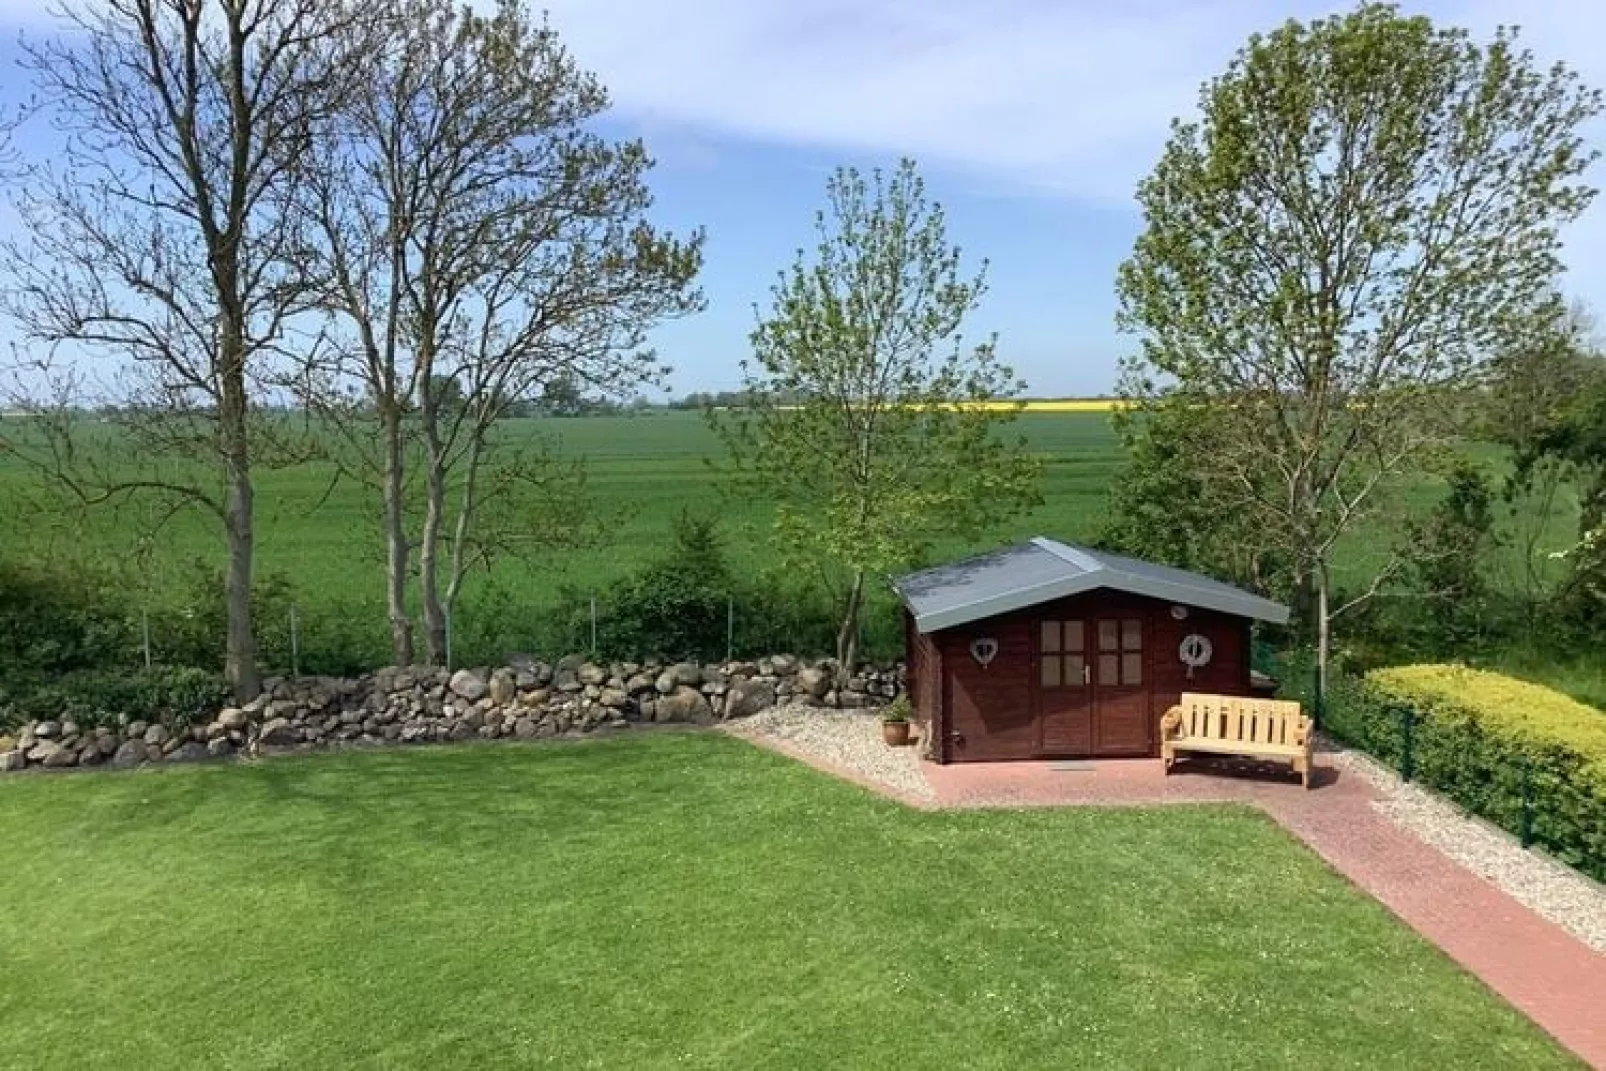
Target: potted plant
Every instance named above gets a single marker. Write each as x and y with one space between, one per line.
895 722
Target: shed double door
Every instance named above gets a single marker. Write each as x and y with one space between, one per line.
1091 694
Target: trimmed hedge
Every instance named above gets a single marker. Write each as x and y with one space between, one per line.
1528 759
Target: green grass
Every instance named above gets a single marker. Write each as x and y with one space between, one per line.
642 470
685 900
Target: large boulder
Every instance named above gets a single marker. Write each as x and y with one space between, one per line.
12 760
747 697
43 751
685 703
131 753
504 687
47 730
591 673
278 732
156 735
61 756
469 685
813 682
566 674
681 674
190 752
232 719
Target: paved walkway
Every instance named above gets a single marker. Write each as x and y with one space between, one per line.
1549 974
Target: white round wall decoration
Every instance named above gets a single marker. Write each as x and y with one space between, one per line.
1195 651
984 650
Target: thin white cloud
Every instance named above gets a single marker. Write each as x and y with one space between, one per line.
1069 99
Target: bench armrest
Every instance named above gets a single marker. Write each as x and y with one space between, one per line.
1171 723
1300 737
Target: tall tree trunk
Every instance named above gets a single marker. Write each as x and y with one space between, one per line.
429 560
847 636
398 557
240 652
1324 637
465 519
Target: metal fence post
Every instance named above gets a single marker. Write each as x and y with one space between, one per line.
1407 742
730 627
1526 824
145 622
295 642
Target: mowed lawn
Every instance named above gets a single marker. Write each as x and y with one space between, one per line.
685 900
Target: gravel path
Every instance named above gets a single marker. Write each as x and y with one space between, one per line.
849 739
1551 889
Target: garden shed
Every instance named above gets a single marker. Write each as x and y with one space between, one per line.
1050 650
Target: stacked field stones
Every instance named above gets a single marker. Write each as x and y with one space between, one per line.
525 699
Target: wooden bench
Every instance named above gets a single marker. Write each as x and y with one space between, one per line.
1236 725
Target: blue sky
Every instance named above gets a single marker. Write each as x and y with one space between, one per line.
1032 120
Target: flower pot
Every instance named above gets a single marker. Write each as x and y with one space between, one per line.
895 733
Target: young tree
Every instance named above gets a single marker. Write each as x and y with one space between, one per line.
481 241
866 420
158 238
1333 250
1533 385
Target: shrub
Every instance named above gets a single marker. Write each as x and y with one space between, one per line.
178 695
897 710
57 619
1515 753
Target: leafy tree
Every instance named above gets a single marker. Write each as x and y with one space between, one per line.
1331 253
1165 505
883 444
1534 384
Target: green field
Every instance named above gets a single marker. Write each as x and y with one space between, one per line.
687 900
642 470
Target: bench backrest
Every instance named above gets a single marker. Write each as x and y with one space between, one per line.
1240 719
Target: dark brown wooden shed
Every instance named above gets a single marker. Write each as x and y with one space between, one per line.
1049 650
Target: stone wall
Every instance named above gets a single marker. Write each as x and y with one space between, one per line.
526 699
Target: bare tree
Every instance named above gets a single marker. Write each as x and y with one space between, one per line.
481 240
161 238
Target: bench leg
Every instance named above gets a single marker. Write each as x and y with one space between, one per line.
1303 766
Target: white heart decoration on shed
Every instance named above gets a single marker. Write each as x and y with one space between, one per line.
1195 652
984 650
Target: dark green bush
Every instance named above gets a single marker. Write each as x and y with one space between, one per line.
178 695
1485 766
56 618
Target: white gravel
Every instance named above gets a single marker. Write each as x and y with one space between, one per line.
850 739
1551 889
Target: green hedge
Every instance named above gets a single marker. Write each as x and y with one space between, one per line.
1519 755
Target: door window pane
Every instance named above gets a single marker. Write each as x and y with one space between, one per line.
1109 636
1051 671
1073 636
1075 670
1109 669
1051 636
1131 635
1132 668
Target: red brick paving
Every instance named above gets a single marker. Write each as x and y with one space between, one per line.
1553 977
